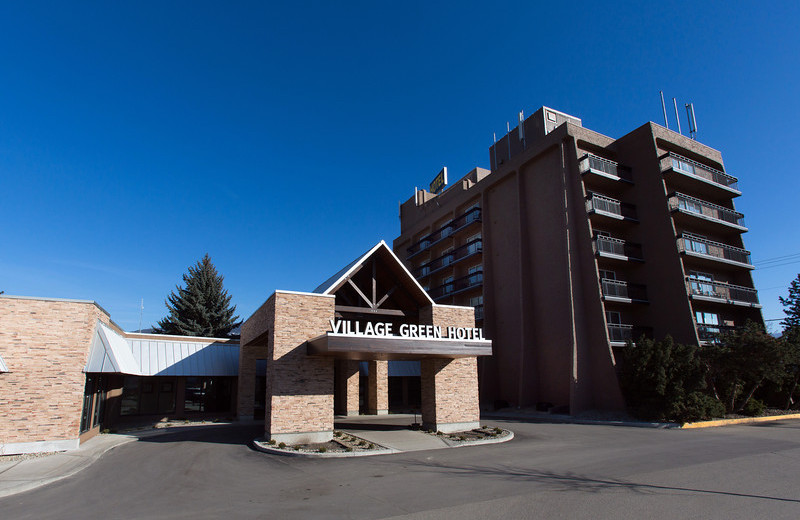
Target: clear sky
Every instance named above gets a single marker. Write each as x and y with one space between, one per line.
279 137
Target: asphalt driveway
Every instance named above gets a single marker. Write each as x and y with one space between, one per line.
547 471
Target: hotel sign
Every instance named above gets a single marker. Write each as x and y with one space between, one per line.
439 182
406 330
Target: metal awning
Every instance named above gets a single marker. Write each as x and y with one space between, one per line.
156 356
349 346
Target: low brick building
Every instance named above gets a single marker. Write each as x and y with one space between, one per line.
67 370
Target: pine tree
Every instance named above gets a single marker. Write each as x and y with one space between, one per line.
202 308
791 307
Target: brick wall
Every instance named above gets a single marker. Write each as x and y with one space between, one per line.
257 331
46 346
378 388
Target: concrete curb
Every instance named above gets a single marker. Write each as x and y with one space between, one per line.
266 448
23 485
461 444
744 420
566 419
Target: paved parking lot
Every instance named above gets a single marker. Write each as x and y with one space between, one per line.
547 471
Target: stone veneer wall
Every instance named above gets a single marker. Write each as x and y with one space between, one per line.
45 344
300 388
262 321
449 386
347 382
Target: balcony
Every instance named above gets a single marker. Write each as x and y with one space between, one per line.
450 228
617 249
695 177
705 249
705 214
624 292
604 169
709 334
719 292
458 285
619 334
608 207
460 253
479 312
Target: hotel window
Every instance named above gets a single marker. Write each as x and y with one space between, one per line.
447 284
700 283
474 244
472 215
613 317
683 166
475 301
447 257
148 395
690 205
696 246
608 275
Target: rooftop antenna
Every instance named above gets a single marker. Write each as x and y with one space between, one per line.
141 311
664 108
494 149
508 138
677 117
692 120
521 128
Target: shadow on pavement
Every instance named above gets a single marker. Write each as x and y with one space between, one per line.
241 434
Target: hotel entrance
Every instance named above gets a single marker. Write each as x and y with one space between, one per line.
368 341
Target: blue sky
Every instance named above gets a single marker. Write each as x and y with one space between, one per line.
134 138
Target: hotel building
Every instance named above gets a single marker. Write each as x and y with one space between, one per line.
575 243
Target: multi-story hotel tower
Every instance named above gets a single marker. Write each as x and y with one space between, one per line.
575 243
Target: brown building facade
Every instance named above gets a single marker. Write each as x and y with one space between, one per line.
575 243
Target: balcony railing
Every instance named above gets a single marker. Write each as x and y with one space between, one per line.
617 247
594 164
691 205
451 227
623 290
688 243
722 291
692 168
479 312
457 285
622 333
712 333
607 205
470 248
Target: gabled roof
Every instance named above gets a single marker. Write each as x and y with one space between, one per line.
3 367
110 353
335 282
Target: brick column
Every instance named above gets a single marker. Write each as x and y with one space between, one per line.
449 386
299 387
378 388
450 394
347 376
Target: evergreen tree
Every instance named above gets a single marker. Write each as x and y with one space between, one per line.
791 306
202 308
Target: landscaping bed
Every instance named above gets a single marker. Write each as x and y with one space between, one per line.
484 433
342 443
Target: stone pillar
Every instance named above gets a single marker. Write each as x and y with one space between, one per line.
299 387
378 388
450 394
449 386
347 376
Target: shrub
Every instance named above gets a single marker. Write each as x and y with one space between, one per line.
271 442
282 445
754 408
322 449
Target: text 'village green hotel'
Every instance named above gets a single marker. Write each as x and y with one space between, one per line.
575 243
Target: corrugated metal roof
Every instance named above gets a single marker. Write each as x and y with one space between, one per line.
114 353
3 367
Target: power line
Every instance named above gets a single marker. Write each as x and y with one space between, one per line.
777 265
777 258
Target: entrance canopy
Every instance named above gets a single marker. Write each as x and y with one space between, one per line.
349 346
